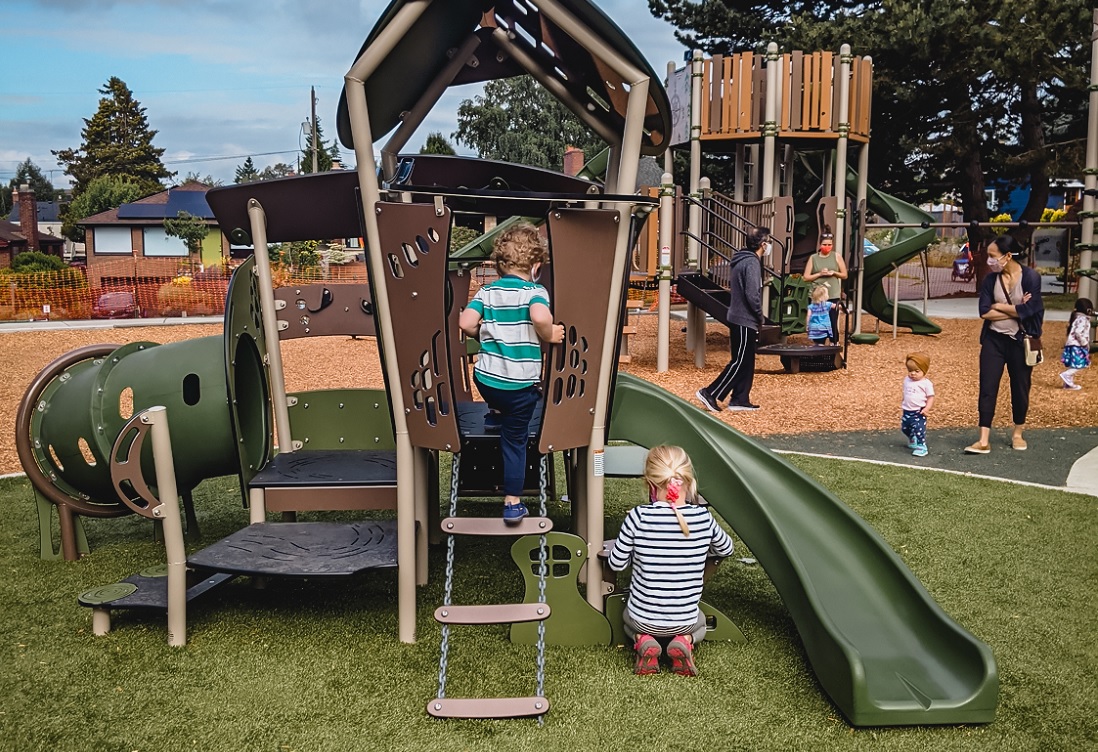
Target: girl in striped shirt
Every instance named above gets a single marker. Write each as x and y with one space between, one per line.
668 541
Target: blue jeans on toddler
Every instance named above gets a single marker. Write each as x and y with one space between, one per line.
516 408
913 425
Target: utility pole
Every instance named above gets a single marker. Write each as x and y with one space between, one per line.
312 101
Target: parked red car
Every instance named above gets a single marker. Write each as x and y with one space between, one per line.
116 305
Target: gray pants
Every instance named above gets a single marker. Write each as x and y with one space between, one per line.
695 630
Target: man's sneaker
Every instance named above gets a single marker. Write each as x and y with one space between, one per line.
681 653
648 655
513 513
492 422
746 406
919 450
708 400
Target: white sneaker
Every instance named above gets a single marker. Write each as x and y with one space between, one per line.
1066 380
1076 387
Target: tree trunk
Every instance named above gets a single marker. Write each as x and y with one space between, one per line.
970 186
1036 157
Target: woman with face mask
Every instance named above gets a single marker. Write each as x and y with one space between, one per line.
1011 307
828 268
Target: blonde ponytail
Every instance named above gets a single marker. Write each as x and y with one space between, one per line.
669 468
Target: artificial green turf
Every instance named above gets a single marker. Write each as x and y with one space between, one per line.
316 665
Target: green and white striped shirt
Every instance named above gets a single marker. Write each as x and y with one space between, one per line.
510 352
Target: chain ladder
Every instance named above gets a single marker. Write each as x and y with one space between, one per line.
543 566
443 661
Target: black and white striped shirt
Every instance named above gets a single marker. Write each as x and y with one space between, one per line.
666 584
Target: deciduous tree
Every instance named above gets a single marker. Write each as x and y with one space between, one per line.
102 193
517 120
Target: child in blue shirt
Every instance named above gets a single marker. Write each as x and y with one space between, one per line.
818 320
509 317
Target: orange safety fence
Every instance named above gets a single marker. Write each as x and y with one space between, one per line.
141 288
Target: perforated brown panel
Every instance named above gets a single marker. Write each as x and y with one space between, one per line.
582 246
321 309
458 297
414 243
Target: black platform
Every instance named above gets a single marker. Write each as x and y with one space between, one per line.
335 467
302 549
799 357
147 591
481 458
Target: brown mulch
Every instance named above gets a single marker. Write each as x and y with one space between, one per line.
863 396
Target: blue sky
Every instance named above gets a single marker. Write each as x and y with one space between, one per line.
219 79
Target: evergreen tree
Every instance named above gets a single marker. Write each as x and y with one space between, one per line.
207 179
436 143
102 193
323 151
246 173
117 142
517 120
27 173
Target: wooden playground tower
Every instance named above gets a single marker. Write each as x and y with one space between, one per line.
763 109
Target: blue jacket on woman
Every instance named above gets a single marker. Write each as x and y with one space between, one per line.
1031 315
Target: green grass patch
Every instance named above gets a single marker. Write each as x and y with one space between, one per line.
317 666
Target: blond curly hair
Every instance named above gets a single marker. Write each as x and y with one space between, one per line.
518 248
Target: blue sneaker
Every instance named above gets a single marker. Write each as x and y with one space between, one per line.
513 513
912 445
492 422
919 450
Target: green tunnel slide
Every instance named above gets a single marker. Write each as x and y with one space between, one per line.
880 646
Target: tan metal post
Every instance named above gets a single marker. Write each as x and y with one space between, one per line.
358 112
1087 286
168 514
863 190
666 227
845 59
770 126
693 214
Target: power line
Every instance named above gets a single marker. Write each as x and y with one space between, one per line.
194 160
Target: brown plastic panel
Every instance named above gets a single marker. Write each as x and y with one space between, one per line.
487 707
493 613
128 471
414 247
582 245
459 280
321 309
495 526
329 498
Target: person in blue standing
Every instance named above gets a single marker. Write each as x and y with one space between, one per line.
745 316
510 317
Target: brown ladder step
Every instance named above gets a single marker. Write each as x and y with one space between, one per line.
495 613
629 329
487 707
495 526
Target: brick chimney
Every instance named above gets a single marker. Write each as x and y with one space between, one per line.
573 160
28 217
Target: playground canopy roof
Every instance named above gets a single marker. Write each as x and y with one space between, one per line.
587 84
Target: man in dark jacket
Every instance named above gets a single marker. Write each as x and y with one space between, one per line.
745 316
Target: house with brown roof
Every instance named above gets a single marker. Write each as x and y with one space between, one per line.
129 244
26 234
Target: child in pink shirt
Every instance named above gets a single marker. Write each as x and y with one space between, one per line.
917 401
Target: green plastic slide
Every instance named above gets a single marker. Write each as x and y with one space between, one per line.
909 242
881 647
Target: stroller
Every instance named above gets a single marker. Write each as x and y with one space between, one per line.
963 268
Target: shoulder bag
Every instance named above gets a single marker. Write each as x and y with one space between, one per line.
1031 345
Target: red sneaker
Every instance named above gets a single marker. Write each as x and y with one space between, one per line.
681 652
648 655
